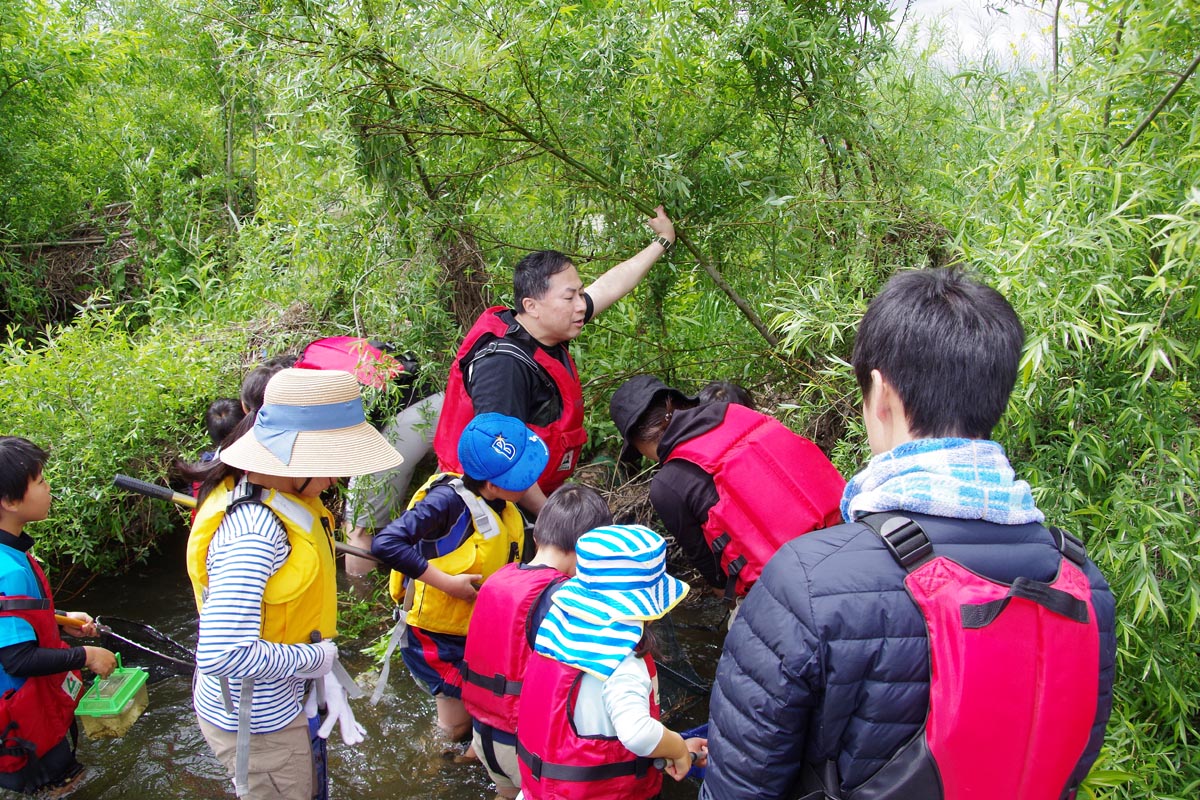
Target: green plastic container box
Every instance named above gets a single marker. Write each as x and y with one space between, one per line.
112 704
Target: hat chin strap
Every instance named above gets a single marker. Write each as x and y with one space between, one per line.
304 485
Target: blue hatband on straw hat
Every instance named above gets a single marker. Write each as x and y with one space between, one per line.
621 580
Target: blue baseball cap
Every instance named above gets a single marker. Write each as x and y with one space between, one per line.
497 448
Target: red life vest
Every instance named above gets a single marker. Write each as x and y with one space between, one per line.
564 437
1013 684
772 486
559 764
497 648
36 716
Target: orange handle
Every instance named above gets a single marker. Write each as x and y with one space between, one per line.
70 622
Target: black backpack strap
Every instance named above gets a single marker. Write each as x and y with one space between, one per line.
539 768
820 782
510 349
11 604
733 570
1070 545
905 539
245 492
496 684
15 746
980 615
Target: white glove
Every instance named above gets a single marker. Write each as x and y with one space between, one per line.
310 703
340 713
329 654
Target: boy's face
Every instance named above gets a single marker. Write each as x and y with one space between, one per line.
35 505
507 495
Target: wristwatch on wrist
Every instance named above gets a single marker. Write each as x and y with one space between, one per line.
664 241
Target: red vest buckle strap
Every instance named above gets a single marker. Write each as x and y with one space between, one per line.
541 769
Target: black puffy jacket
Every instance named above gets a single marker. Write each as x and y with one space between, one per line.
828 658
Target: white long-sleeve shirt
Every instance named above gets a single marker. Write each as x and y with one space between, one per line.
248 547
620 707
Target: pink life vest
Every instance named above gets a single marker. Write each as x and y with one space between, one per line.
497 648
1013 684
559 764
365 360
564 437
35 717
772 486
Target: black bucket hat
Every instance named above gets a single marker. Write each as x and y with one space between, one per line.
632 400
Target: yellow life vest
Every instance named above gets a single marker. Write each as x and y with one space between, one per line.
301 597
496 539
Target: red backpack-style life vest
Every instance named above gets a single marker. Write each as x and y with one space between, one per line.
1013 682
35 717
497 650
558 763
564 437
772 486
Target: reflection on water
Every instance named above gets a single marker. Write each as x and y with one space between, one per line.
164 757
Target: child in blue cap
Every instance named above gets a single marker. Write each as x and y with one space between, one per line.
458 530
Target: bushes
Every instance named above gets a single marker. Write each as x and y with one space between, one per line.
104 401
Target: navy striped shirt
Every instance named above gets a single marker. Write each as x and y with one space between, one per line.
249 546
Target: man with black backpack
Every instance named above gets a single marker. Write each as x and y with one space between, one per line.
942 643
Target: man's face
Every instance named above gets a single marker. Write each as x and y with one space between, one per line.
559 312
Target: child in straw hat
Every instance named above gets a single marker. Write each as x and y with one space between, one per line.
592 729
457 531
261 561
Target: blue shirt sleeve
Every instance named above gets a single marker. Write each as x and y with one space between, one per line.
16 579
403 544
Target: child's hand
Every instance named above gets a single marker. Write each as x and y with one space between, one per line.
88 628
678 768
462 586
699 749
100 661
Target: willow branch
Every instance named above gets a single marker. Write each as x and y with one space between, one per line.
1187 73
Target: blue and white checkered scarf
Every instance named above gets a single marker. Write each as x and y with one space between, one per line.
956 478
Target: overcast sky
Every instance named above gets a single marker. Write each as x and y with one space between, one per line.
1020 34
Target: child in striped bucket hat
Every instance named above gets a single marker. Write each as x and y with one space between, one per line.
594 718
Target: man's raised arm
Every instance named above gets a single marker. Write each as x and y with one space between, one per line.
620 280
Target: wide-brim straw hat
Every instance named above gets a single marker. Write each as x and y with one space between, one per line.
633 399
311 425
620 582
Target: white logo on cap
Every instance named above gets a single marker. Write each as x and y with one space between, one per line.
504 447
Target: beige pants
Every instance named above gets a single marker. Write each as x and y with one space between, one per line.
506 758
281 763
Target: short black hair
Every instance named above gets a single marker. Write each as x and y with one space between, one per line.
20 462
726 392
222 416
570 512
474 485
532 276
950 346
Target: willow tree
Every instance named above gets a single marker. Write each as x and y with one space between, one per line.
1076 196
513 126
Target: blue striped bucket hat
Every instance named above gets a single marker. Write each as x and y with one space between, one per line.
621 581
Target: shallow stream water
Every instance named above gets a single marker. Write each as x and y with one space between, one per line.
164 757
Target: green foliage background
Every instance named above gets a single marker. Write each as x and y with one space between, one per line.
255 175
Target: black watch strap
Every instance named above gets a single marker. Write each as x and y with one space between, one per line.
664 241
